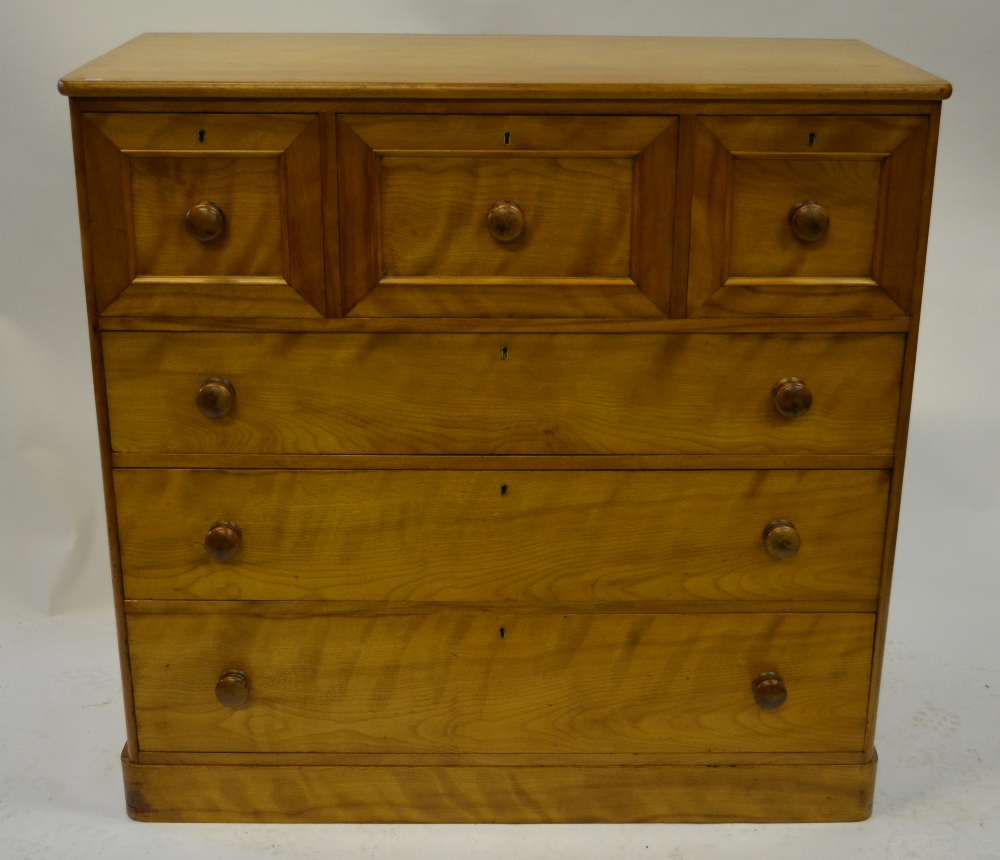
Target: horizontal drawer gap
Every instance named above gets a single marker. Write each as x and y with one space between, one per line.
510 608
306 759
502 325
501 463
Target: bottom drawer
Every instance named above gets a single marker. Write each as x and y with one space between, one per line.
500 682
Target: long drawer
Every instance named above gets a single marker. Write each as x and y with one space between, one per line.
500 682
501 393
497 536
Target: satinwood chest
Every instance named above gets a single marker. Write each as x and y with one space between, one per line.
502 428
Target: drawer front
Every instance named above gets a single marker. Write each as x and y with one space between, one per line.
506 215
206 214
499 536
502 394
805 216
499 682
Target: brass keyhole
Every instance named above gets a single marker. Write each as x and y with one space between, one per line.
506 138
503 354
201 135
503 491
503 632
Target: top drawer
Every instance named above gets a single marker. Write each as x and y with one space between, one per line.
205 214
804 216
472 216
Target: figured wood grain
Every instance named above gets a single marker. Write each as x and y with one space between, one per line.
261 171
297 793
749 172
554 394
246 189
498 66
765 190
569 683
577 214
594 195
544 537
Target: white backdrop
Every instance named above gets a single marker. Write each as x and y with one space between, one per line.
54 577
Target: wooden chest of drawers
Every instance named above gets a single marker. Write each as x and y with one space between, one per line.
502 428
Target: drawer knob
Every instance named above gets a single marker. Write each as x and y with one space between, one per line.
781 539
505 221
233 689
792 397
769 690
216 397
205 221
809 220
223 541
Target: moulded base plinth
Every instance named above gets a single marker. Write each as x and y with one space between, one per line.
498 794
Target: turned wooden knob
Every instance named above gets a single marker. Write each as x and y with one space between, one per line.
769 690
792 397
781 539
216 397
223 540
205 221
809 220
233 689
505 221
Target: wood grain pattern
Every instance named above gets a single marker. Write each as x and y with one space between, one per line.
246 189
200 133
556 394
496 67
748 174
577 213
569 683
765 190
576 427
595 195
538 795
545 537
262 171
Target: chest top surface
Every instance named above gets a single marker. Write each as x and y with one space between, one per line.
436 66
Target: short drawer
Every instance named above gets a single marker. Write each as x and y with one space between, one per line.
451 536
805 215
501 683
501 394
506 215
206 214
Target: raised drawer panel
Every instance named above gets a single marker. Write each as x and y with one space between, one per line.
540 537
452 683
502 393
576 212
802 216
206 214
499 216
